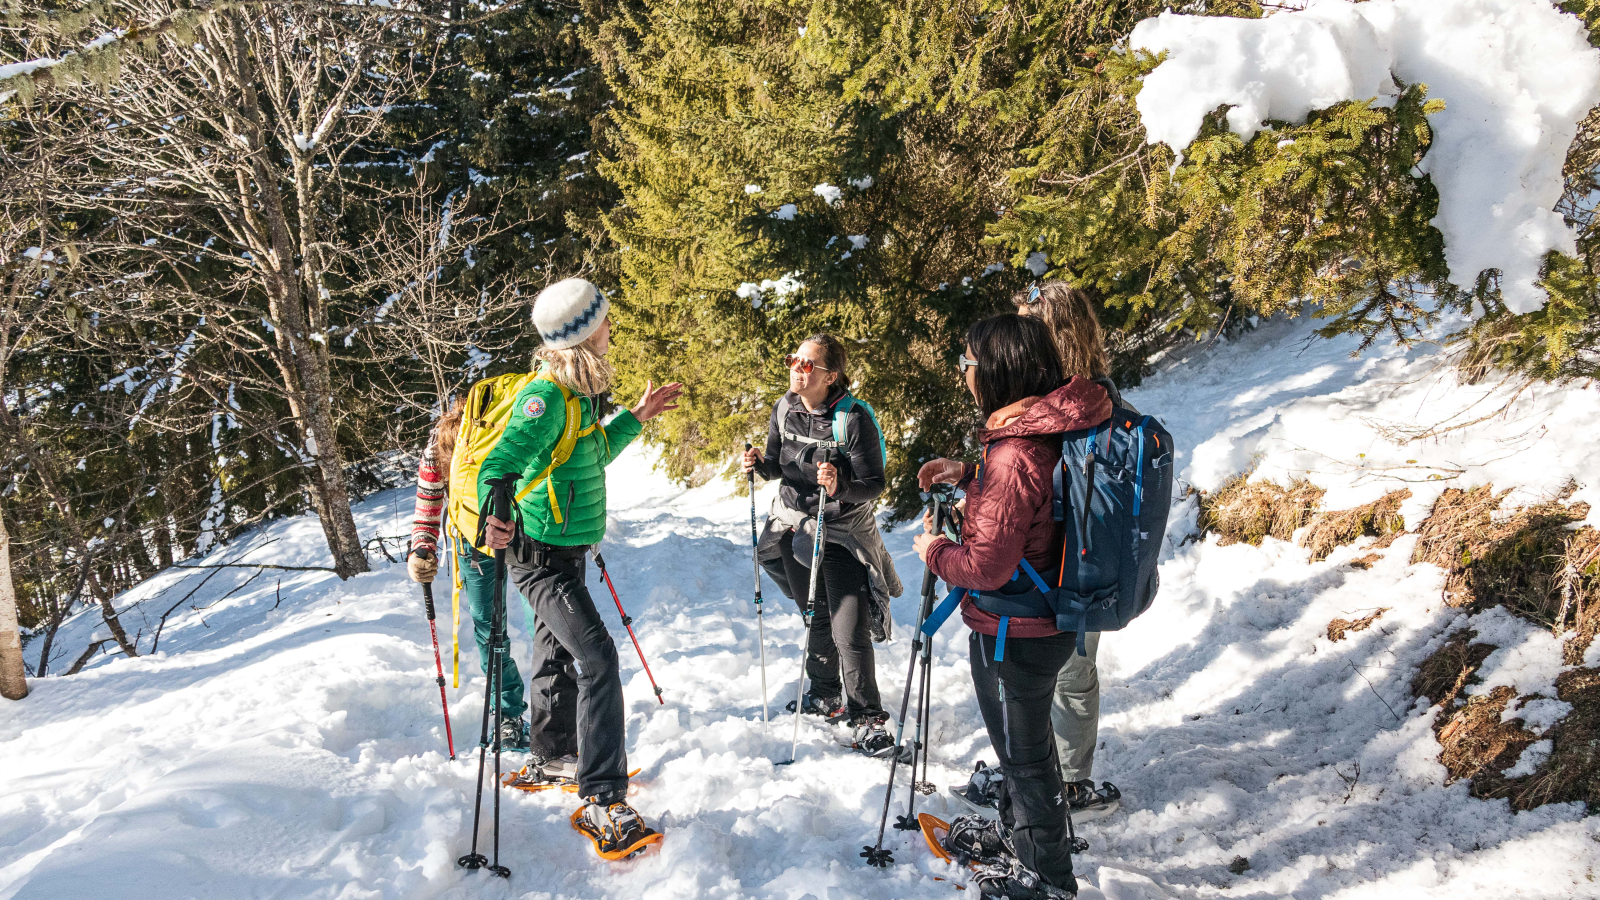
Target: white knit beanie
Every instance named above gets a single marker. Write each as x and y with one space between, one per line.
567 312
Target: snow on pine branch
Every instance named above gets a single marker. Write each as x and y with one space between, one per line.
1516 77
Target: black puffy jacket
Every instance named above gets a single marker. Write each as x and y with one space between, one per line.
859 461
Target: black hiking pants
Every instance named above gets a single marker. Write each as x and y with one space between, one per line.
575 696
1015 697
841 627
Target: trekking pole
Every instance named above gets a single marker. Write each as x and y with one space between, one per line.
876 855
811 599
761 628
499 507
438 664
908 822
943 499
627 622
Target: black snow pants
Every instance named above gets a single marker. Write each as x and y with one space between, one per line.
1014 696
841 627
575 694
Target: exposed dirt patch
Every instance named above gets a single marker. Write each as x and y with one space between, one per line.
1380 519
1243 511
1339 628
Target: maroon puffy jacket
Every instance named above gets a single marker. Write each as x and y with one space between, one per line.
1009 507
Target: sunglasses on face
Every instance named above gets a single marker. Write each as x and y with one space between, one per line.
963 364
801 364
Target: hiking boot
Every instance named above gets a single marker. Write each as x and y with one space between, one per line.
512 736
829 708
873 739
1007 877
617 829
546 770
982 790
555 768
1086 804
977 837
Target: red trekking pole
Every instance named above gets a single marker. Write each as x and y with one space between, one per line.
627 622
438 663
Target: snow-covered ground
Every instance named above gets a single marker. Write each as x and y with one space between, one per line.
287 740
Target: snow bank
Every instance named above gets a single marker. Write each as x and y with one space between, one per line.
1516 77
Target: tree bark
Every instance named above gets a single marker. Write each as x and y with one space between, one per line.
13 675
163 542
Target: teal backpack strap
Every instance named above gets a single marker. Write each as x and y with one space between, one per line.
843 409
839 414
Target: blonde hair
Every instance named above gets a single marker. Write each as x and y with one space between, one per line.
1074 327
443 439
579 368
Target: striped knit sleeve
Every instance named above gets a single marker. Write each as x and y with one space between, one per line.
430 502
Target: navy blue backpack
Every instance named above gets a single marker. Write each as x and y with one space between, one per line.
1112 492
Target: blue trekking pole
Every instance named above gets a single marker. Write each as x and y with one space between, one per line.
811 596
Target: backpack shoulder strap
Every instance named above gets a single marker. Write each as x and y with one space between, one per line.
840 413
845 405
784 407
571 430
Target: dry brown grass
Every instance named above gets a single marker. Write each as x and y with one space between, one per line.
1339 628
1380 519
1532 562
1365 562
1447 671
1475 740
1243 511
1528 561
1572 771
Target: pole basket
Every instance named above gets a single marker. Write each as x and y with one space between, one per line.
877 856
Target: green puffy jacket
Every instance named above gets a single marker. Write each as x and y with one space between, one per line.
578 486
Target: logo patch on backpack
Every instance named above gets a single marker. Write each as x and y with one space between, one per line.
534 408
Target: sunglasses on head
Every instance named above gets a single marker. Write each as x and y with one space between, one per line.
801 364
1033 293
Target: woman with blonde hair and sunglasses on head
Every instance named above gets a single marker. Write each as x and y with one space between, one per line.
821 440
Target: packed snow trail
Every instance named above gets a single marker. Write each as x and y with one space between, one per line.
287 740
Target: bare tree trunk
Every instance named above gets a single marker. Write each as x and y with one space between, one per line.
58 614
13 675
163 542
103 593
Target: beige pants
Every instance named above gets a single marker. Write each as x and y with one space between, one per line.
1075 712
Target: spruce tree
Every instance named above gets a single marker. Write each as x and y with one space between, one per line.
763 202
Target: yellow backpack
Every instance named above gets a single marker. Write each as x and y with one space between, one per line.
488 411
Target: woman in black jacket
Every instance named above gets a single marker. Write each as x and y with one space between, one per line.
850 608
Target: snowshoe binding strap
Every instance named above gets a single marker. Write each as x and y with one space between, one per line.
616 829
976 837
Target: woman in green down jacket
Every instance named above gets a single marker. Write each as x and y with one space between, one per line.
575 701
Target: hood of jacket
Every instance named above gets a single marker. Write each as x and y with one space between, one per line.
1078 404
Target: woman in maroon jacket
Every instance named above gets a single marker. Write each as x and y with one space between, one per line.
1011 368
